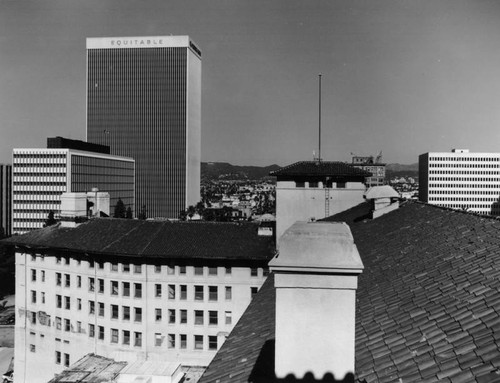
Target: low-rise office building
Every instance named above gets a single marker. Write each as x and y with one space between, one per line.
132 290
40 176
461 179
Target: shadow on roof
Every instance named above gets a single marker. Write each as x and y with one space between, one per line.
263 370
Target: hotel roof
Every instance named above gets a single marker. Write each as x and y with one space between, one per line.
154 239
428 302
320 168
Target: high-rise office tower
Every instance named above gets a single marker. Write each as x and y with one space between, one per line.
144 101
5 199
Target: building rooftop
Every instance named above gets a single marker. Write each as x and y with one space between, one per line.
66 143
427 308
320 168
90 369
154 239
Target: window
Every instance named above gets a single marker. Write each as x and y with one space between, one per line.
300 184
171 291
170 270
213 317
198 342
126 313
114 335
114 311
33 296
126 337
212 271
91 264
212 342
138 339
43 297
126 289
158 315
198 270
229 293
254 272
212 293
137 269
91 284
58 323
58 301
91 307
114 266
183 341
265 272
158 290
198 293
183 292
198 317
157 268
101 309
100 265
67 280
67 303
182 270
101 285
78 326
32 348
137 314
158 339
66 260
114 287
79 303
171 316
253 291
171 340
229 317
126 269
228 271
137 290
43 275
184 316
78 281
91 331
67 325
33 275
58 259
313 184
341 185
66 360
58 279
58 357
101 332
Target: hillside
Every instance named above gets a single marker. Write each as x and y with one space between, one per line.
211 171
401 170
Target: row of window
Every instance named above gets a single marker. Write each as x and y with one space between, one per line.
19 175
466 159
315 184
469 186
464 199
466 192
467 166
473 207
480 179
39 183
38 155
475 172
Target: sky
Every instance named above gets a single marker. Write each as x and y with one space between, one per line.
403 77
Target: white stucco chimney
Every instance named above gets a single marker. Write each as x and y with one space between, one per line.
316 277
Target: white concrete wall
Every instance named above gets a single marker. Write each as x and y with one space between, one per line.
40 365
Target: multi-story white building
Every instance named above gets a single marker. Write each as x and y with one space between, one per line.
40 176
132 290
461 180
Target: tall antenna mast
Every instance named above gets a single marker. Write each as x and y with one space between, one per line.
319 149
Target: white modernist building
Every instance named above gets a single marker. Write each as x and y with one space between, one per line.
40 176
461 179
132 290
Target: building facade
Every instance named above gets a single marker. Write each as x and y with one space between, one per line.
311 190
137 301
461 179
6 199
144 101
40 176
373 166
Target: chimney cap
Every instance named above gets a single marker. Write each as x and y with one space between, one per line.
385 191
320 247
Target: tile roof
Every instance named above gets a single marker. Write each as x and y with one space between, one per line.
428 302
321 168
129 237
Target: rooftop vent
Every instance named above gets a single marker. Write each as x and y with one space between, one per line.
383 200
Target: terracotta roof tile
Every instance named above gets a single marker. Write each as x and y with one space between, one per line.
431 278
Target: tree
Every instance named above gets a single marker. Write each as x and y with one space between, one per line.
143 213
50 219
128 215
119 209
190 211
182 215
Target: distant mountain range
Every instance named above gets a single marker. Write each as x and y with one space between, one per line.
212 171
